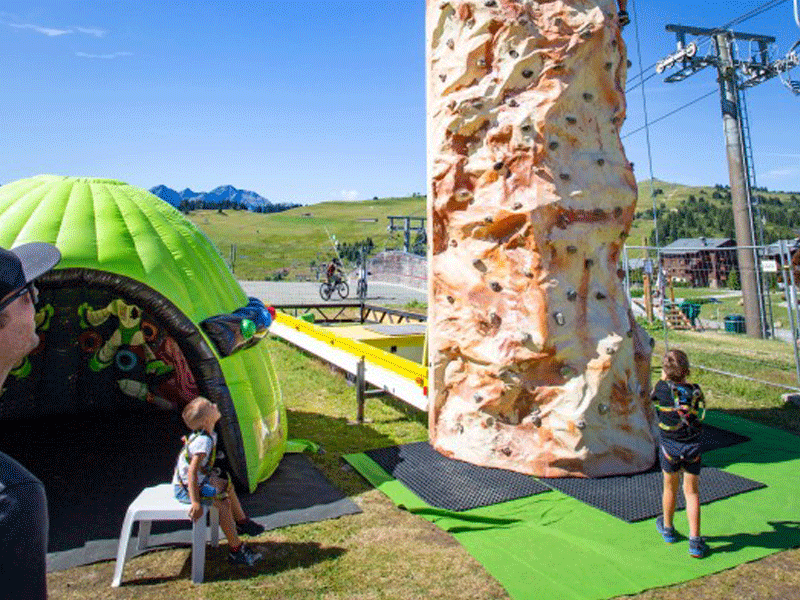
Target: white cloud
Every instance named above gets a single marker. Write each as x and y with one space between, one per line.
92 31
52 31
103 56
349 194
779 173
48 31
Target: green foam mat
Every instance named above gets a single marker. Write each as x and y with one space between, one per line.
553 546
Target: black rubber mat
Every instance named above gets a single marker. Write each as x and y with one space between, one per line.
452 484
714 438
638 497
456 485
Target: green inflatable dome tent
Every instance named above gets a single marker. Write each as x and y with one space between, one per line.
120 317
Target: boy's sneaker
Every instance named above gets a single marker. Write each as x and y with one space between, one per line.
668 533
249 527
244 556
698 547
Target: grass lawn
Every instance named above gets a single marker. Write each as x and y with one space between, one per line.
716 304
732 305
388 553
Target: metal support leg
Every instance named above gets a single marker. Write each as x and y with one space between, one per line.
360 384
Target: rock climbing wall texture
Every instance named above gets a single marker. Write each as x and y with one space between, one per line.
537 363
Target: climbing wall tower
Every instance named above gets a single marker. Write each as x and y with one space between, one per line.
537 363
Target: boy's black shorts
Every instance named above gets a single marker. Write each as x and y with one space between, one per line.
680 455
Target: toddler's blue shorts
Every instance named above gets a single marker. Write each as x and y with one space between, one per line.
207 494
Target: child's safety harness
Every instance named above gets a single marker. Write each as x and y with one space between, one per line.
688 403
209 466
205 470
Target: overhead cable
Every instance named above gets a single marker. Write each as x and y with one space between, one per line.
672 112
749 15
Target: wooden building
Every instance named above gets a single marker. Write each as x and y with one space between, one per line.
700 262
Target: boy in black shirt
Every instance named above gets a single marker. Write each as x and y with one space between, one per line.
679 404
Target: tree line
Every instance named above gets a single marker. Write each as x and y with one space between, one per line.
187 206
351 253
703 217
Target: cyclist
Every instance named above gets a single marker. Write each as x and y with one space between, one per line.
334 272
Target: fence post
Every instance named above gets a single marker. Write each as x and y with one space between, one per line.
762 312
647 282
791 301
766 299
662 293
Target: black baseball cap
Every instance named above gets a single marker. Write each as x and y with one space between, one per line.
21 265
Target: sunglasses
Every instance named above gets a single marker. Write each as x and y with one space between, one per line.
28 289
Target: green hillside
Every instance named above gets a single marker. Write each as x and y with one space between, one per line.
266 244
672 195
687 211
291 244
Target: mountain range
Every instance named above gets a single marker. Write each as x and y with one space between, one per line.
224 196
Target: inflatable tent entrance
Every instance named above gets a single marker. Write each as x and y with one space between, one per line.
119 318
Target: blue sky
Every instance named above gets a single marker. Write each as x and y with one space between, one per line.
308 101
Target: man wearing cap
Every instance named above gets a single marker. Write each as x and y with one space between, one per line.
23 506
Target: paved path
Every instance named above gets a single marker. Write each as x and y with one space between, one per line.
384 294
307 292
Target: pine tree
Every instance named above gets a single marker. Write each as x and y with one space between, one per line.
733 280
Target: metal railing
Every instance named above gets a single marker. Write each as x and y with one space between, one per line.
354 311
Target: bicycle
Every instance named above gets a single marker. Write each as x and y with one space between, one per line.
340 287
361 288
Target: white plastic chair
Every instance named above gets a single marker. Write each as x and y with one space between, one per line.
158 503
